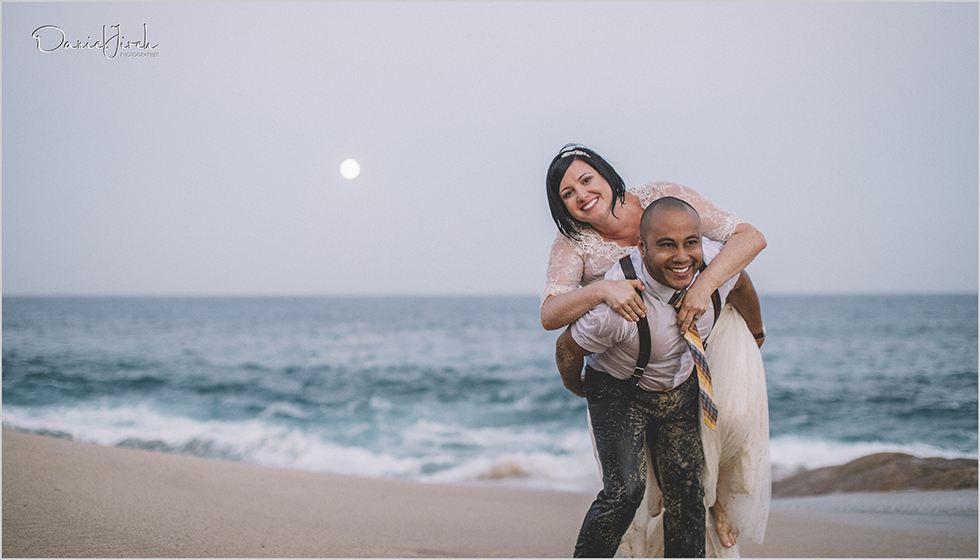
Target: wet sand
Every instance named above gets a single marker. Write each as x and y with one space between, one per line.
63 498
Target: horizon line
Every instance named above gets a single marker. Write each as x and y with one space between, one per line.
443 295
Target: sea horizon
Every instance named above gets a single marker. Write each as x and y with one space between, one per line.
440 295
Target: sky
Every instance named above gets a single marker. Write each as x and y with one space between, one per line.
202 156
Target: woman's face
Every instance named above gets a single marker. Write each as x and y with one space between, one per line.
585 193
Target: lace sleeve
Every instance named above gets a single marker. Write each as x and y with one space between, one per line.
717 223
565 267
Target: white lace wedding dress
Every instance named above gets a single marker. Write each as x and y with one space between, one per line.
737 469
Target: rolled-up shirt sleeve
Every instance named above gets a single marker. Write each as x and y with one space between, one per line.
600 329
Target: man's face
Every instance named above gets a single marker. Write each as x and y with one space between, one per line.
671 247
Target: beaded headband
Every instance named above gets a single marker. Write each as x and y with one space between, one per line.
574 153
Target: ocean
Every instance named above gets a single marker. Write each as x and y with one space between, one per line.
459 390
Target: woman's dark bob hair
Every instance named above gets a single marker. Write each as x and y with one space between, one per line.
567 225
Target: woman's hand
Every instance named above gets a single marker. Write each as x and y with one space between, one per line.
694 305
621 296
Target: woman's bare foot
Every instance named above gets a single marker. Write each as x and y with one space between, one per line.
727 533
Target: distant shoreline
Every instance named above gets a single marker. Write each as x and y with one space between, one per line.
459 295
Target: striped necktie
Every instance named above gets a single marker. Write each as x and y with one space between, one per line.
696 346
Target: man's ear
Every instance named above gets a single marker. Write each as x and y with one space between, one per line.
641 246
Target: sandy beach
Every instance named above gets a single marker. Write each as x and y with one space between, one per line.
69 499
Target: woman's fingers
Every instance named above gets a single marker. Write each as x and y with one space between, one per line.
636 300
690 312
624 299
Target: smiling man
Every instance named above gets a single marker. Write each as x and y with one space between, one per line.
657 405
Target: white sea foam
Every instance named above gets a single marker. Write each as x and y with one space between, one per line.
252 441
425 450
570 465
572 469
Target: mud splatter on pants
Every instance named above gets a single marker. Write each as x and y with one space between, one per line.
624 417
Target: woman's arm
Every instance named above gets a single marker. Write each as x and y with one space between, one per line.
744 244
564 301
561 310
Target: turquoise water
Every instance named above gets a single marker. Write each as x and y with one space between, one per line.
450 389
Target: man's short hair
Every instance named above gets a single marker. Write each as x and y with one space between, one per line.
665 203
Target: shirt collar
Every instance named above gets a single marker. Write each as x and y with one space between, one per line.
656 289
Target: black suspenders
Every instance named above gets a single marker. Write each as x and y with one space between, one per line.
642 325
643 358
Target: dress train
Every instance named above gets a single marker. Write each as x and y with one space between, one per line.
737 467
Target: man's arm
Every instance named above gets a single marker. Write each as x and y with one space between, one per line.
569 356
746 301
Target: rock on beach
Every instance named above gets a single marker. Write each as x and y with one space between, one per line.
882 472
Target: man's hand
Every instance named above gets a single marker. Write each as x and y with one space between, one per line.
570 356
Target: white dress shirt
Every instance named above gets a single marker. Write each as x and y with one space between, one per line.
613 340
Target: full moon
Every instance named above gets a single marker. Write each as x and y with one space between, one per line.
350 169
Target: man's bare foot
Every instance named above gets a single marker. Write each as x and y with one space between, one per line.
727 533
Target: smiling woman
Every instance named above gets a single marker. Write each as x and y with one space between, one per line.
350 169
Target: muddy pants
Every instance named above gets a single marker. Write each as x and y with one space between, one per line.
624 418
